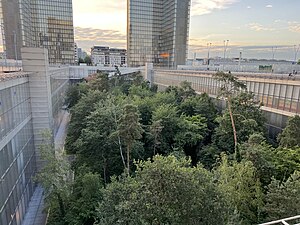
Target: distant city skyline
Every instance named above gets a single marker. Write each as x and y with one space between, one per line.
252 27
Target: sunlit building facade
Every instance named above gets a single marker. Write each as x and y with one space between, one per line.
39 23
157 32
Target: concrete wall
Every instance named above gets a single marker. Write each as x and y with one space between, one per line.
280 95
35 61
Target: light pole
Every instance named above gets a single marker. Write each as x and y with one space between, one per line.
208 50
225 49
274 49
296 49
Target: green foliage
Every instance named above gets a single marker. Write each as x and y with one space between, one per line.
262 157
84 199
240 184
55 178
97 145
80 60
167 115
270 162
182 92
290 137
74 93
130 129
283 199
78 120
118 114
165 191
88 60
248 119
100 82
230 85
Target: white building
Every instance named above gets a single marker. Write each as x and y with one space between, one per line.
105 56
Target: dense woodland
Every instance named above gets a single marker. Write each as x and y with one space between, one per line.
143 157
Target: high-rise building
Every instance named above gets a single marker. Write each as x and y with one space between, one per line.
157 32
39 23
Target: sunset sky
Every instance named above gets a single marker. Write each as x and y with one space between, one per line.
251 26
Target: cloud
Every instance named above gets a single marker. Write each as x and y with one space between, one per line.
269 6
294 26
88 37
96 6
259 27
249 7
201 7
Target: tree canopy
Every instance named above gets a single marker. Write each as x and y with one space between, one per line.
169 157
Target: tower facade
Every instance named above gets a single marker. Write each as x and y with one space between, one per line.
39 23
157 32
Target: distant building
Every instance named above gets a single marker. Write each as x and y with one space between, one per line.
38 23
81 54
106 56
157 32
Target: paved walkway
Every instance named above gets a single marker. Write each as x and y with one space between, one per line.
61 134
35 214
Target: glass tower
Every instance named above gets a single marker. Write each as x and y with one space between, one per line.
157 32
39 23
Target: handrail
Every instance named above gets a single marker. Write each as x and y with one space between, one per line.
283 221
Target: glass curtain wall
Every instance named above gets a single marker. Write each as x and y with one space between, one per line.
53 24
17 155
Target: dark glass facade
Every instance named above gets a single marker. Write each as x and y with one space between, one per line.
157 32
17 155
39 23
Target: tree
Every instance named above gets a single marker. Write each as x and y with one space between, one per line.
55 178
242 189
290 137
88 60
164 191
298 62
169 120
80 60
74 93
283 199
97 146
191 134
204 106
99 81
84 199
155 130
182 92
79 113
248 120
130 129
263 157
230 85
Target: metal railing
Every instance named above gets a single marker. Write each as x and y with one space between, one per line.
284 221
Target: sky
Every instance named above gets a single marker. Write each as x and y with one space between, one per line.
257 28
